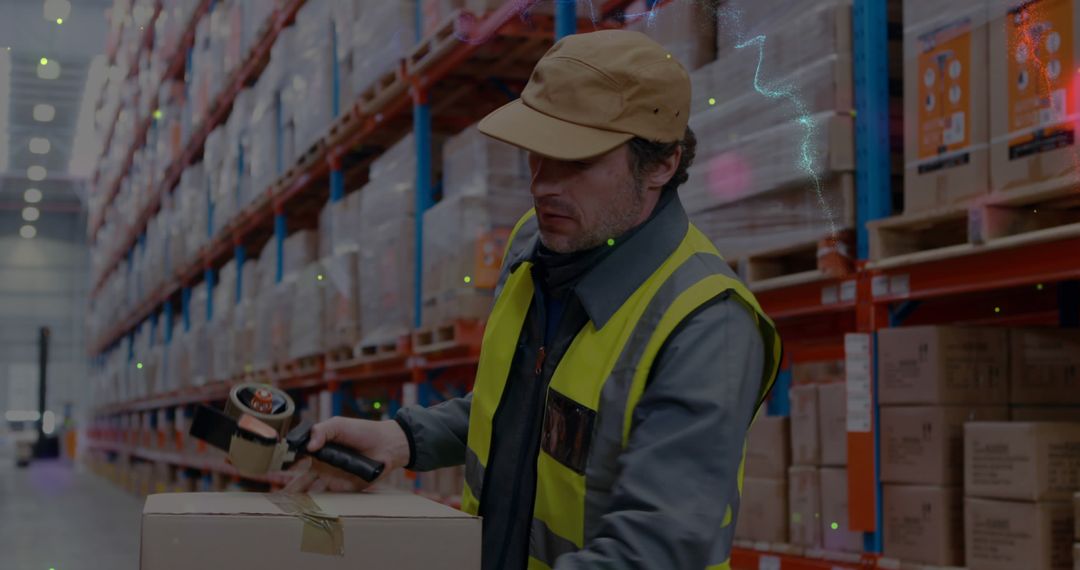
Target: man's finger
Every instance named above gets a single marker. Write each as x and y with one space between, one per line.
301 483
319 486
321 433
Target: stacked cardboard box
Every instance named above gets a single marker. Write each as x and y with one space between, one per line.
931 380
1018 481
763 507
686 28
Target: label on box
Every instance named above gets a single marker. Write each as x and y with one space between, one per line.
900 285
1040 73
879 285
830 295
847 291
860 399
768 563
945 96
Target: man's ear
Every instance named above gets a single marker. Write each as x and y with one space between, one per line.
662 172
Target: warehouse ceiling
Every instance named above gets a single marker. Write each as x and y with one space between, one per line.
26 37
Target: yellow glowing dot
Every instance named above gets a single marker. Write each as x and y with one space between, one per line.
157 113
60 21
712 100
138 365
610 241
468 279
997 309
669 56
1039 287
378 405
319 277
44 61
834 526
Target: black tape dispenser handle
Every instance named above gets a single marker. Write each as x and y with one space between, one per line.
350 461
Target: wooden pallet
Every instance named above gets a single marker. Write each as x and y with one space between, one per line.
344 124
303 366
384 349
304 162
831 256
386 87
964 227
435 46
341 357
460 333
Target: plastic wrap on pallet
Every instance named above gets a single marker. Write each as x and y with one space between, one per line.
262 128
300 250
314 60
273 311
386 276
344 17
243 337
741 20
308 312
779 218
475 164
381 36
729 168
225 289
220 340
686 28
341 298
464 239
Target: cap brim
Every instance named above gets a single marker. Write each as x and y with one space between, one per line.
522 126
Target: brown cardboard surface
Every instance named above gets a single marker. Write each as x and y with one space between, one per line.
925 444
1009 535
768 448
1076 556
1044 413
1032 137
1076 509
1045 366
832 423
763 510
943 365
946 120
246 530
805 443
817 372
1029 461
924 524
834 512
804 506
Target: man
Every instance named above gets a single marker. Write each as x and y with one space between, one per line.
622 362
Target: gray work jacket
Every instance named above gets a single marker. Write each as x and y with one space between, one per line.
678 473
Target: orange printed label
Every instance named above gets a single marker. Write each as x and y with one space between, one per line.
1040 64
944 92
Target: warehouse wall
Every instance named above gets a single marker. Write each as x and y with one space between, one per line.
43 282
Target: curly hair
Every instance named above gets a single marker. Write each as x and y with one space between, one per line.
646 154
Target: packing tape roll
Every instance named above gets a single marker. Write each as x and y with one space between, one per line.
321 532
280 421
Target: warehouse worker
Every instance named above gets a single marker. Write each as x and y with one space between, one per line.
622 362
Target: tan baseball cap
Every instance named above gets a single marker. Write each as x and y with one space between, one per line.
593 92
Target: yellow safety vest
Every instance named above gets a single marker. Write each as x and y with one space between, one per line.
604 371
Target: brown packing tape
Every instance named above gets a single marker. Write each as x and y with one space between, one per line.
251 458
321 533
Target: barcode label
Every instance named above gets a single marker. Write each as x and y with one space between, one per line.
768 563
1056 112
954 134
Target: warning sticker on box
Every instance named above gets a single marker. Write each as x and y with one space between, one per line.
859 369
944 94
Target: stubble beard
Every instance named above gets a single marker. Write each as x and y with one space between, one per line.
613 222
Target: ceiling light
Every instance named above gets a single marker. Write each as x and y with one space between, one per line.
49 69
43 112
31 214
27 231
32 195
40 145
36 173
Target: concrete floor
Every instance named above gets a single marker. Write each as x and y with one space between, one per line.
55 516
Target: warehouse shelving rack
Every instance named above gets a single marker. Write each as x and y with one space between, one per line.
1027 279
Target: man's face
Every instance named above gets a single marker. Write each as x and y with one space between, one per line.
580 205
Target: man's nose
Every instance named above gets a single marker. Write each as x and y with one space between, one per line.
542 183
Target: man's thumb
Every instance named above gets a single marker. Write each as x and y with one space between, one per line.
320 433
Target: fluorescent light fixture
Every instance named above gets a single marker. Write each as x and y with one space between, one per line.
56 9
48 422
21 415
87 143
31 214
36 173
28 232
32 195
40 145
48 69
44 112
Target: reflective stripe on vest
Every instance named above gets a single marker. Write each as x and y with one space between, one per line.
604 371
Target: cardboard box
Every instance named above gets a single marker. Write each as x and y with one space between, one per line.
1045 366
768 448
835 534
1044 413
1076 556
832 423
686 29
1022 460
924 524
1009 535
805 443
925 444
381 529
943 365
1076 508
1033 96
763 510
946 122
817 372
804 506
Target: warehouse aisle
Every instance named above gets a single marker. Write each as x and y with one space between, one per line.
54 516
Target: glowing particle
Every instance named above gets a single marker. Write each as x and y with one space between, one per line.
44 61
712 100
997 309
468 279
138 365
834 526
1039 287
669 56
157 114
610 241
378 405
60 21
319 277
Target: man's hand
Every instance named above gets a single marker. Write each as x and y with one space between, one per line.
380 440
